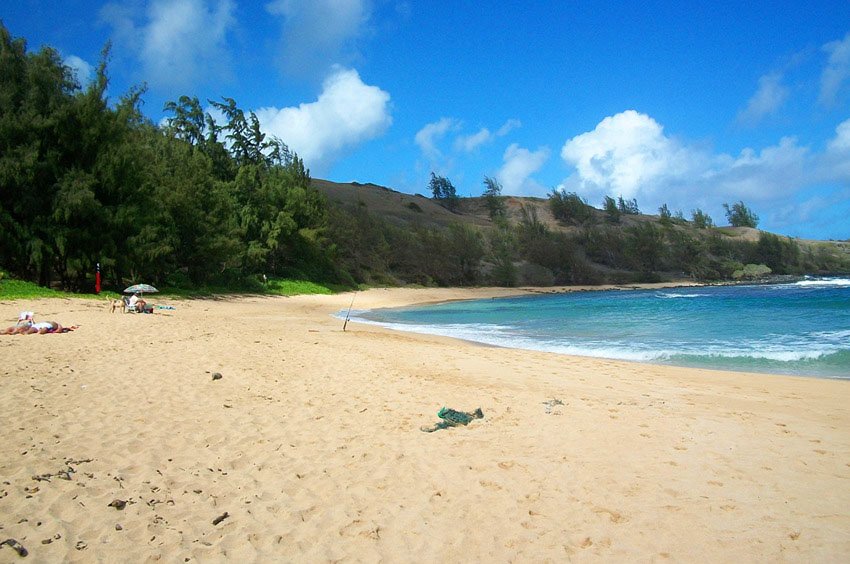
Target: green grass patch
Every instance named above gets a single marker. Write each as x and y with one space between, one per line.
295 287
20 290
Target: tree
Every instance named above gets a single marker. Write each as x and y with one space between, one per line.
444 192
612 212
502 250
569 207
493 198
739 215
645 244
628 207
666 218
701 219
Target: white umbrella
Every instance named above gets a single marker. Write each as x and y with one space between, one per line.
141 288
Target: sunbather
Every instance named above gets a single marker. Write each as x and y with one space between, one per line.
42 328
19 328
137 303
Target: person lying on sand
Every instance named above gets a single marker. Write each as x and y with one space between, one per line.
19 328
42 328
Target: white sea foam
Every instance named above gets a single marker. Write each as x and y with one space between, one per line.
841 336
674 296
504 336
776 355
825 282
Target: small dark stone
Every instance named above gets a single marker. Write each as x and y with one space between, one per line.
118 504
220 518
118 527
217 376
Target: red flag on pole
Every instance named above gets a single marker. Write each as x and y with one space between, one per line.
97 280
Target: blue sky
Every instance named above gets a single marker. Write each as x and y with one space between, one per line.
691 104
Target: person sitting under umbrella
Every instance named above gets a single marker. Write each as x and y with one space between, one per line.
138 303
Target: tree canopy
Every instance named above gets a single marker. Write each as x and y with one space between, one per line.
443 191
739 215
86 182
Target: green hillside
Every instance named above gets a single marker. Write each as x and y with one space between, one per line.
384 236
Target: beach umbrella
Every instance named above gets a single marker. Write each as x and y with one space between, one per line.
141 288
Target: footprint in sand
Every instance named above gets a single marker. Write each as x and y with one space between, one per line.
615 516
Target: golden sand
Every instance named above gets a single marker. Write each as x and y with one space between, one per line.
308 447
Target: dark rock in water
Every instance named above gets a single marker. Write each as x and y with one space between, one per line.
217 376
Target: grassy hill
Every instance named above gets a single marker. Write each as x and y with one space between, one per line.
543 249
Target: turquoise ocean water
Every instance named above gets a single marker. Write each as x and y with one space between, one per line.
800 328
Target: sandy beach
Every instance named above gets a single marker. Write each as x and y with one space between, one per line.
118 445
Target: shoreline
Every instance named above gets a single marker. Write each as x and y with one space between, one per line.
310 443
489 293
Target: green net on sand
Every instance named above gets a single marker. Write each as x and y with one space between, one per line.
453 418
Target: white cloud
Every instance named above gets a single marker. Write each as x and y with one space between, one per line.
346 113
774 172
837 70
628 154
625 154
508 126
427 137
178 42
519 165
317 34
841 141
834 164
769 97
468 143
82 70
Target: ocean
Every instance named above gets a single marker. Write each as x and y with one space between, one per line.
800 328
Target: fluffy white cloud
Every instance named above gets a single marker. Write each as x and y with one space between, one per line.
837 70
628 154
519 165
179 43
346 113
427 137
317 34
769 97
82 70
625 154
